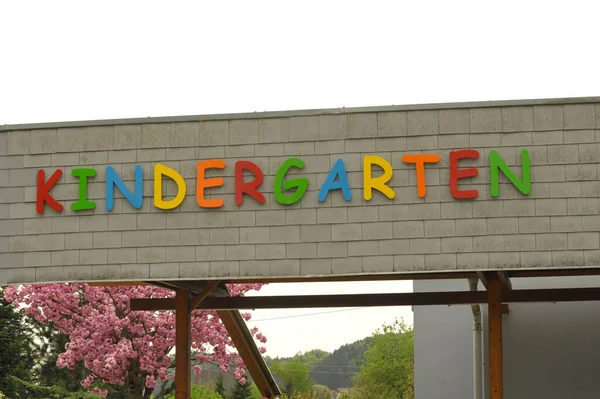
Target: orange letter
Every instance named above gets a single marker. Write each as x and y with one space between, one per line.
420 160
203 183
377 183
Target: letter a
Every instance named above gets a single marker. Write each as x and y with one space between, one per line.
338 171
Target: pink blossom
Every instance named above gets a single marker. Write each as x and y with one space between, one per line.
119 346
162 373
242 381
87 381
102 392
150 381
197 369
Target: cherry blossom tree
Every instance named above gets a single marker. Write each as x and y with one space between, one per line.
121 347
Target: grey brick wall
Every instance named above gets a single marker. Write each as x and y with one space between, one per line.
557 225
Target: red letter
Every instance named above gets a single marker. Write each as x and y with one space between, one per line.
43 188
456 174
251 187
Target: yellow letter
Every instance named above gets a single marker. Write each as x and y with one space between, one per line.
377 183
159 171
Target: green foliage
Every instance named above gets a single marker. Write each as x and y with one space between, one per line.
338 369
219 385
199 392
321 392
255 392
296 377
349 395
16 352
50 344
314 356
387 372
48 392
334 370
241 391
28 354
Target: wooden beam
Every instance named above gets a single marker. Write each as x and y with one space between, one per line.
483 277
371 300
506 286
235 325
208 289
318 301
506 283
152 304
193 286
495 337
246 347
552 295
182 345
516 273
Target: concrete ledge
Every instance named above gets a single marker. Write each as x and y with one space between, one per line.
313 112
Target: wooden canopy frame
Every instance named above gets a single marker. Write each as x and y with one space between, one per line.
189 296
213 295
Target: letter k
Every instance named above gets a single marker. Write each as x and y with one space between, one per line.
43 191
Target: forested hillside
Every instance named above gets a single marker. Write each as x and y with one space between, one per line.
334 370
338 369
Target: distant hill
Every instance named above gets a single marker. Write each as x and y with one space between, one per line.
338 369
334 370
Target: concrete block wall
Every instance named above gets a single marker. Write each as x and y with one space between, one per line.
555 226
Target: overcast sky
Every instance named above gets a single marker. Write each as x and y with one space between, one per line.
74 60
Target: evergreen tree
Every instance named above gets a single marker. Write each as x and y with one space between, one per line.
242 391
219 385
28 354
50 344
16 353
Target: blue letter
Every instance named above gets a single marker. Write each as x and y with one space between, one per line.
112 179
338 170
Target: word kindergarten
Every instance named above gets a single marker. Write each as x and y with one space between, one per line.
286 191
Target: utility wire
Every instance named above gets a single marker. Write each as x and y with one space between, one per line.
303 315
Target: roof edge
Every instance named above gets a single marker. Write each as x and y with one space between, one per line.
305 112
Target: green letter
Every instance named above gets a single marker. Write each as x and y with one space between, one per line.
496 162
83 203
301 184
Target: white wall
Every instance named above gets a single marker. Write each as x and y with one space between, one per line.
551 351
443 345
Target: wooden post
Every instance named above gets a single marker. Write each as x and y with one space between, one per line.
494 290
182 344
